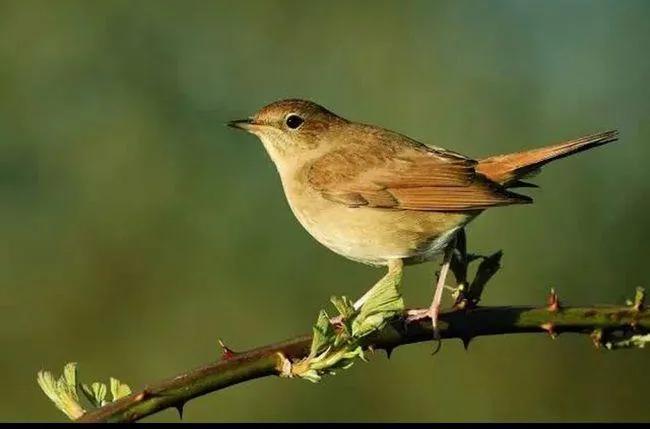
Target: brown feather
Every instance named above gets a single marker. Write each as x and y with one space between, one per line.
507 169
404 175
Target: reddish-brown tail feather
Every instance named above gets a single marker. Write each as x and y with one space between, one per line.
508 169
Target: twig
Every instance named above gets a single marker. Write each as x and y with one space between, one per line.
603 324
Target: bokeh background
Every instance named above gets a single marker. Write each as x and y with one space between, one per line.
136 228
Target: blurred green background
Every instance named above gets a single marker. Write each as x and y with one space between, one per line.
130 216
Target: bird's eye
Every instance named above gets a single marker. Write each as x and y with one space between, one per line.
294 121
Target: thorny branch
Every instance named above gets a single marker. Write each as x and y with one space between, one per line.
608 327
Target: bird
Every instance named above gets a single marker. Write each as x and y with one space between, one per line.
378 197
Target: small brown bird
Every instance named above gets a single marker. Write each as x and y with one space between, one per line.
381 198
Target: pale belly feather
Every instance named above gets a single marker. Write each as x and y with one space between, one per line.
375 236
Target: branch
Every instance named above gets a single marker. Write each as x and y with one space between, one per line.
379 323
609 326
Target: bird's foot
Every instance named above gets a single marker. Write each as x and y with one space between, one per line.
427 313
417 314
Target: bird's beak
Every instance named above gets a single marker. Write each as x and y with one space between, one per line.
242 124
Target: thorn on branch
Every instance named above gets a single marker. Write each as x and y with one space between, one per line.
226 352
389 351
180 408
142 395
553 302
466 340
550 329
597 337
639 299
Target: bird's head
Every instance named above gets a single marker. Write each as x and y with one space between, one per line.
291 128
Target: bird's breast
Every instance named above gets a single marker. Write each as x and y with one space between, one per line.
372 235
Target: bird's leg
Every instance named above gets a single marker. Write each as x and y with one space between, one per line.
433 311
394 274
359 302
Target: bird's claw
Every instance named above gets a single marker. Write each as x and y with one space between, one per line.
427 313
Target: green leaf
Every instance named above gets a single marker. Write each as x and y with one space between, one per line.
48 385
89 394
62 392
332 349
119 389
95 393
70 378
634 341
323 333
346 310
311 375
67 383
344 306
383 303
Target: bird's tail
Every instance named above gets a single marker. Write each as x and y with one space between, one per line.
508 169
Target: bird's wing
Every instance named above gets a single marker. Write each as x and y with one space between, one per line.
406 177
